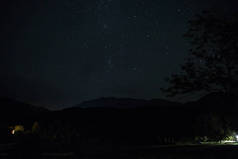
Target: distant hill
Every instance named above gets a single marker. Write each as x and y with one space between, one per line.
122 120
154 110
11 110
126 103
216 98
215 102
118 108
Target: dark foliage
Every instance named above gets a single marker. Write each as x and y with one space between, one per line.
213 62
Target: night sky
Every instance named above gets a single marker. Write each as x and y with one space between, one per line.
59 53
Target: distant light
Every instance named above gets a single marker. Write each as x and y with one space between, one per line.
13 132
236 137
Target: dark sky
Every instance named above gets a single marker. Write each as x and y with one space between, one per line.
58 53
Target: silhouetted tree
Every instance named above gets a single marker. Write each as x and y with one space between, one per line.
212 126
35 127
213 61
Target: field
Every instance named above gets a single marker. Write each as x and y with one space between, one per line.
150 152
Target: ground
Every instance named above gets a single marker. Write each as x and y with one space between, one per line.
210 151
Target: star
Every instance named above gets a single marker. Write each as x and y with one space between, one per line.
148 36
134 68
105 26
85 44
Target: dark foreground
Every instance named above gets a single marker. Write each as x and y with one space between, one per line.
155 152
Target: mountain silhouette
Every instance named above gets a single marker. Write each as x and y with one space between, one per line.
126 103
14 110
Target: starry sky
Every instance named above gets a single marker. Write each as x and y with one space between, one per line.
59 53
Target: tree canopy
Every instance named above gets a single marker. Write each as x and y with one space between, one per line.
212 64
